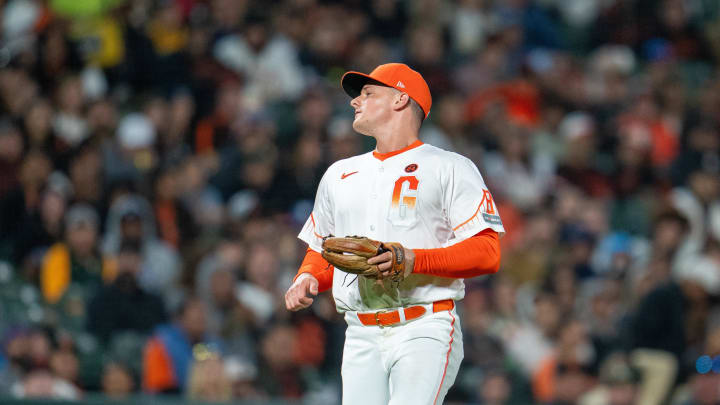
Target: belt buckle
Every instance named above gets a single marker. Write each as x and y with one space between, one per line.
377 319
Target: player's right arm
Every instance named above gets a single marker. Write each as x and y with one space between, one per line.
314 276
297 296
315 273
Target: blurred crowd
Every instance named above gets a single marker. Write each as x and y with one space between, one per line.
158 158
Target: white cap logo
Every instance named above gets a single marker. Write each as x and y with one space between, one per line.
400 84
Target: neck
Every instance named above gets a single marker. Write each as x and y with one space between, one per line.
395 136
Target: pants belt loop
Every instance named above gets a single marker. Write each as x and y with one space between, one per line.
401 314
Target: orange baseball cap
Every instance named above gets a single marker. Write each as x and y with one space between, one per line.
396 75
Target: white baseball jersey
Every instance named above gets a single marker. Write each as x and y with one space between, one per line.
422 197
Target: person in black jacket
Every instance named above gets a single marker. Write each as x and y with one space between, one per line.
672 318
123 305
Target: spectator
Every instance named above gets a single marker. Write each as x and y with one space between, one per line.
671 318
123 305
617 383
578 166
11 145
168 355
703 145
256 291
669 236
131 218
171 212
77 259
42 384
703 390
117 381
343 142
209 381
172 142
17 357
268 61
132 155
213 131
277 374
69 122
65 366
700 204
565 374
530 175
494 389
228 318
86 177
30 210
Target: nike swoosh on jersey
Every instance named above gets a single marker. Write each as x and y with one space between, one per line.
346 175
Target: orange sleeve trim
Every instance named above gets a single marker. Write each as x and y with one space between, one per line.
469 219
312 218
316 265
472 257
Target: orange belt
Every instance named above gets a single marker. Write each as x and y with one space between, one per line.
387 318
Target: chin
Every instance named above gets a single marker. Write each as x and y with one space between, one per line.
359 127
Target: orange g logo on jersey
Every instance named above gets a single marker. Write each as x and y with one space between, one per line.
404 200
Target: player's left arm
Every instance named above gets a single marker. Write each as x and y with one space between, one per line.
476 224
475 256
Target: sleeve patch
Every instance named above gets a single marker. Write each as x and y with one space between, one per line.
487 209
492 219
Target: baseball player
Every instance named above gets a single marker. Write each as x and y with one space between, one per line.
403 342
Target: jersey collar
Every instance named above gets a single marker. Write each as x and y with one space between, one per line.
383 156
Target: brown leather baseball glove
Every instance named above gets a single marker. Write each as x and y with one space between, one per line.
351 253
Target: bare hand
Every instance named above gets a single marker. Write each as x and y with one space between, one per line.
296 297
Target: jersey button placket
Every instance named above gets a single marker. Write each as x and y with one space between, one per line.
374 193
374 196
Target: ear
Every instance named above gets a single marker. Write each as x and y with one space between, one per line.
401 101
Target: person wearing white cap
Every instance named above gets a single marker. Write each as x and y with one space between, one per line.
132 154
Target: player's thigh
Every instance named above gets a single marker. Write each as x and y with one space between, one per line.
364 377
427 361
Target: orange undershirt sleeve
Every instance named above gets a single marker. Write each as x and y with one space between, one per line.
472 257
316 265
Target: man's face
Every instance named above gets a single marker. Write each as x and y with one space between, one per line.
372 107
668 234
622 394
194 320
131 227
129 262
82 239
222 286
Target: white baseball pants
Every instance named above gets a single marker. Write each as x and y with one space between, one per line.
412 363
